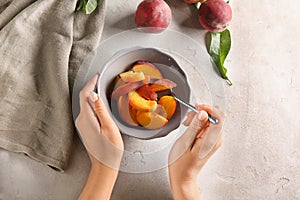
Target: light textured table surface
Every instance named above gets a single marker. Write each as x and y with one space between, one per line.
260 155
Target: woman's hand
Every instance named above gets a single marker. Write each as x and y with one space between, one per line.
199 142
96 128
102 139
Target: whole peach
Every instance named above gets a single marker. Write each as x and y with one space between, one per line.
153 15
215 15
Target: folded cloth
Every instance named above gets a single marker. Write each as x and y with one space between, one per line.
42 44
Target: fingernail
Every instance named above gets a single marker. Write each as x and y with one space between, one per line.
94 96
202 115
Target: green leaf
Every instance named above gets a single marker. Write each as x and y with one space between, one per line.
80 5
90 6
197 5
219 48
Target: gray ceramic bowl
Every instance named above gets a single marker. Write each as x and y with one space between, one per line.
122 61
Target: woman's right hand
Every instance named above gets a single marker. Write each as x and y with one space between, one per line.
192 150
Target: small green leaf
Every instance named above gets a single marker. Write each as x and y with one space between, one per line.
219 48
197 5
90 6
80 5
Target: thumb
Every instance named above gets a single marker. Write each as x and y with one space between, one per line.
208 143
198 123
187 139
100 110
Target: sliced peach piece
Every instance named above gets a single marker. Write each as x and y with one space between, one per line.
139 103
125 111
125 89
146 92
169 103
147 79
148 69
132 76
151 120
161 111
118 82
133 112
162 84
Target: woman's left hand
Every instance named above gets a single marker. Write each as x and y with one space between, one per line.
103 141
97 129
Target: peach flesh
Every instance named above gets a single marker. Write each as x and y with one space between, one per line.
148 69
125 111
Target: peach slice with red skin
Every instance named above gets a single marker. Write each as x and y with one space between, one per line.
126 112
146 92
147 79
148 69
169 104
125 89
139 103
162 84
118 82
132 76
151 120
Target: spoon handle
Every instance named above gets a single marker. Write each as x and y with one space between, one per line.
211 119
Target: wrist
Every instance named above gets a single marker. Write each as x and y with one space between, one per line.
110 163
102 174
185 189
98 167
100 182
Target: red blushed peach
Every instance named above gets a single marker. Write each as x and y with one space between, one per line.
151 120
162 84
126 112
215 15
118 82
139 103
148 69
147 79
132 76
146 92
153 15
125 89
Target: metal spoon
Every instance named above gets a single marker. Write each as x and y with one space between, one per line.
169 92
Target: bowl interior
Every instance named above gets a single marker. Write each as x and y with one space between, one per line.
122 61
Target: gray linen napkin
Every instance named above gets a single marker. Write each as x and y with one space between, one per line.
42 44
